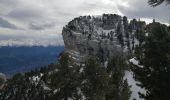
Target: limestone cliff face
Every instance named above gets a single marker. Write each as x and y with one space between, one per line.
105 36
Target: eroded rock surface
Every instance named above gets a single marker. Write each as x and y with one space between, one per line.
105 36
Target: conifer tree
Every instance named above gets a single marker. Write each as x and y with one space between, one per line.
126 92
125 22
120 33
65 80
119 89
96 78
155 74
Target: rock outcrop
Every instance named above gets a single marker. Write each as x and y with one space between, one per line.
105 36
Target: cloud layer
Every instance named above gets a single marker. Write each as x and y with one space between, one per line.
5 24
42 20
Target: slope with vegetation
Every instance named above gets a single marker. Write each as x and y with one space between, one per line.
67 81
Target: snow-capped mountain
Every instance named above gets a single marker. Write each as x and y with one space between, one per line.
31 42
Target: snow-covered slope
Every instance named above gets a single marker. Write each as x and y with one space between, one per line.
134 87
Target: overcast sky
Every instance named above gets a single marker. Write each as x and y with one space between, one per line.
27 22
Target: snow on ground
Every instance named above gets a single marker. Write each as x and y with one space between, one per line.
131 81
2 76
134 88
56 90
125 49
105 63
136 42
35 79
108 31
81 93
146 34
81 69
46 88
135 62
101 31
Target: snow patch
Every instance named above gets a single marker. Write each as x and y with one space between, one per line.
135 62
146 34
46 88
56 90
134 88
81 69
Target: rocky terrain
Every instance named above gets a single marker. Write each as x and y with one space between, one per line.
105 36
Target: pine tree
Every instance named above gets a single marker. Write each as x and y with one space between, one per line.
66 79
120 33
125 22
95 85
119 89
155 74
125 93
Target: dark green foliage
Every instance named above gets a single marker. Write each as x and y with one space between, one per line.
67 80
155 74
118 85
1 81
95 85
120 34
157 2
140 36
19 88
125 22
132 29
133 25
125 91
138 52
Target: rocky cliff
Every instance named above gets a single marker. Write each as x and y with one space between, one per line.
105 36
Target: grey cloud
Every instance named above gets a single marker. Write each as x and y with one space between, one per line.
35 26
51 15
140 9
9 2
97 6
5 24
25 14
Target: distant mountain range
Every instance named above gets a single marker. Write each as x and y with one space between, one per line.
21 59
30 42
